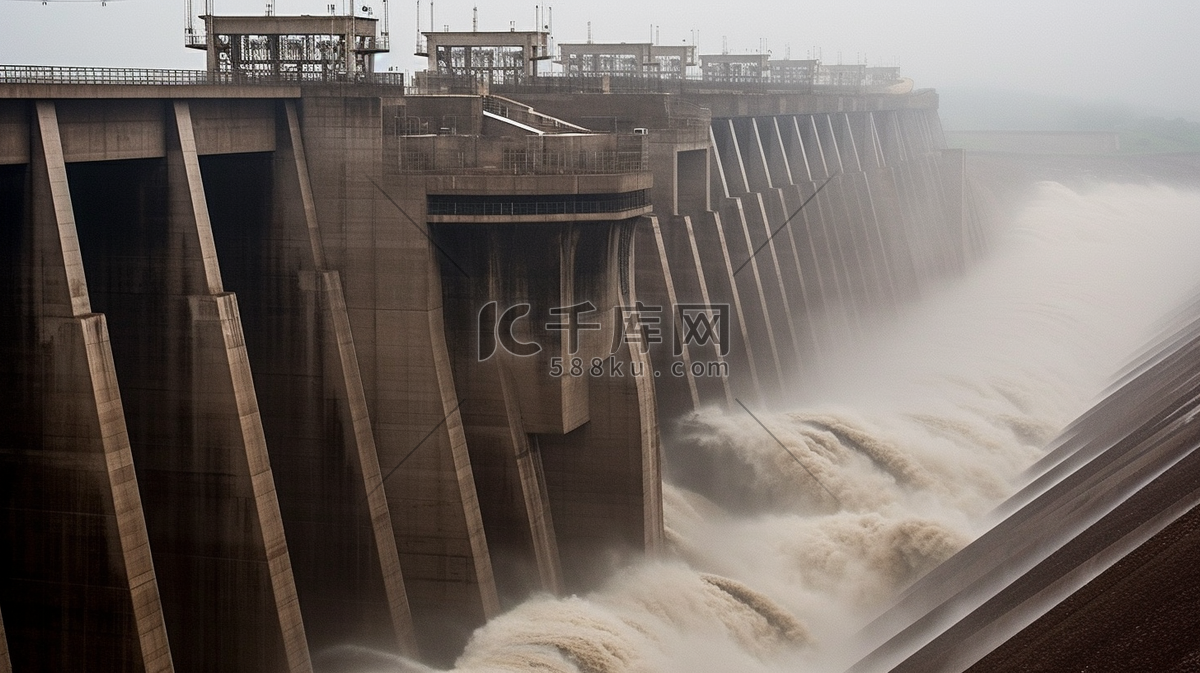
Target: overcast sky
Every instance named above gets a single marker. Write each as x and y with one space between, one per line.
1145 54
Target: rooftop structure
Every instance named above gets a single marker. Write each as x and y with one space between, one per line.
295 47
842 75
736 67
794 71
881 75
626 58
500 57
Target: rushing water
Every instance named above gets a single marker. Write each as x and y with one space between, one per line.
893 458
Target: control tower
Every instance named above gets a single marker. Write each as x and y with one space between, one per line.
290 47
491 57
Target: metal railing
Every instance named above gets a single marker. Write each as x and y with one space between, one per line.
596 154
48 74
525 114
640 83
519 162
565 204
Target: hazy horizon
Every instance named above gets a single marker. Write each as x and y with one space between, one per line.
1096 52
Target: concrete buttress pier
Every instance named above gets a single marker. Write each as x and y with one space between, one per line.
294 366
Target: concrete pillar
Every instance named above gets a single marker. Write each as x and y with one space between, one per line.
596 469
714 352
357 423
805 339
748 150
830 141
814 138
825 227
767 215
75 539
862 241
5 662
892 211
714 247
876 144
748 281
531 476
604 479
714 229
248 616
880 250
775 151
489 278
373 233
658 272
853 143
672 246
799 152
734 178
323 516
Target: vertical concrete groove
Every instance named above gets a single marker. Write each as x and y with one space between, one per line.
739 208
822 293
783 155
306 195
126 500
737 305
67 294
808 174
653 530
766 151
195 193
772 241
86 334
348 379
456 434
805 291
790 271
837 150
716 156
853 142
223 309
533 490
762 154
889 277
876 143
743 176
812 121
215 315
706 298
661 249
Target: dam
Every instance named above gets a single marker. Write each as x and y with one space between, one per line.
303 355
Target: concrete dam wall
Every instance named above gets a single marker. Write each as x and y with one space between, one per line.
286 370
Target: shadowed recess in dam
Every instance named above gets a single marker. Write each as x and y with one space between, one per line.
894 455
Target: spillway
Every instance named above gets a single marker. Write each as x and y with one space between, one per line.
919 440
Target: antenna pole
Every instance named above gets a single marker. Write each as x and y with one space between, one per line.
387 36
